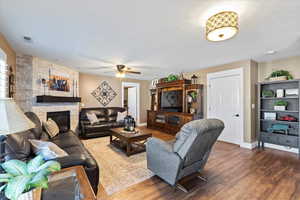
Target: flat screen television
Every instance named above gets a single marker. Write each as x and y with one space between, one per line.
171 101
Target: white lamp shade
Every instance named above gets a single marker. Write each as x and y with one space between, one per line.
12 119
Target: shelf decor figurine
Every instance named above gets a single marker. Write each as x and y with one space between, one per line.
44 83
280 105
280 93
194 79
129 123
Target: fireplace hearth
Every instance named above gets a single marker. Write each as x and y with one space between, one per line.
62 118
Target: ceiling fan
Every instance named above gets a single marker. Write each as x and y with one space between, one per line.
107 66
125 69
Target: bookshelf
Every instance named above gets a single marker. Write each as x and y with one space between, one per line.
291 136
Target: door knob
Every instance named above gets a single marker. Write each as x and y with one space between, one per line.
236 115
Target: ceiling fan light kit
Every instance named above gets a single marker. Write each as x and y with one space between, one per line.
120 75
222 26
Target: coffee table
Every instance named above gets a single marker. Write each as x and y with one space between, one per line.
129 143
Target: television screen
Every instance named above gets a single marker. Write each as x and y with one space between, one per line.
172 101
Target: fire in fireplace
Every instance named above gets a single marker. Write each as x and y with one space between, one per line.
62 118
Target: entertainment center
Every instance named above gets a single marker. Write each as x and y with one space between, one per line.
173 104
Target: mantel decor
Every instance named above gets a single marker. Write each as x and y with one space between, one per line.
104 93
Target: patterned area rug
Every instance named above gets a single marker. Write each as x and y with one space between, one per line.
117 171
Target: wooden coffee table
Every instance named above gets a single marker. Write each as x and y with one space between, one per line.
129 143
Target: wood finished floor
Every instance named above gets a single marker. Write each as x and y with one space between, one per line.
233 173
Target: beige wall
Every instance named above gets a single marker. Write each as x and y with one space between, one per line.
11 54
88 83
250 79
291 64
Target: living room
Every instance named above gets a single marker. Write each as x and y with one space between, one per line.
111 100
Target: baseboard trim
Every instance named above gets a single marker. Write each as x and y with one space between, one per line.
248 145
282 148
142 124
253 145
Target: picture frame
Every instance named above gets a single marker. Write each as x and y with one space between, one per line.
280 93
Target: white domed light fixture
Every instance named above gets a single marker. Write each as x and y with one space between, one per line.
222 26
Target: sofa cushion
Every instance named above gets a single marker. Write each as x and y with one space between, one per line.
37 131
92 117
121 116
51 128
48 150
99 112
112 112
18 147
112 119
64 140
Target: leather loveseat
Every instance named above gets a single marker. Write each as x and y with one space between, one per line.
107 120
18 147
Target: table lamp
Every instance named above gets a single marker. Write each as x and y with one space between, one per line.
12 120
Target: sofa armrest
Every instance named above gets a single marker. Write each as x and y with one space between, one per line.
70 161
82 128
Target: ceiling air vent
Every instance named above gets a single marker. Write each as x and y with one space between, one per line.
27 39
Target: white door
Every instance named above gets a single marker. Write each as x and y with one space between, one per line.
225 103
132 102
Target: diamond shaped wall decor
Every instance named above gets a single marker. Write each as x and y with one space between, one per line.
104 93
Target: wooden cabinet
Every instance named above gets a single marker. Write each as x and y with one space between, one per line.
189 106
168 122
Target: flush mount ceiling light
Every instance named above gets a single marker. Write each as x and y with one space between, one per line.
222 26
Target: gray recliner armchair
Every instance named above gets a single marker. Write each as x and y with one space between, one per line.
185 155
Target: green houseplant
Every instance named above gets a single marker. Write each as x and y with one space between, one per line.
280 105
23 177
268 93
193 94
172 77
280 75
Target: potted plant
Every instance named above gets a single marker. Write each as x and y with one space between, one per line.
194 95
280 105
21 177
172 77
268 93
280 75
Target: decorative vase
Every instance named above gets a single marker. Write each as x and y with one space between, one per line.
34 194
280 108
279 78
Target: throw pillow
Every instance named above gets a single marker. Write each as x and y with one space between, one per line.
121 116
51 127
48 150
92 118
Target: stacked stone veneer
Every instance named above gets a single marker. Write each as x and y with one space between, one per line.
29 72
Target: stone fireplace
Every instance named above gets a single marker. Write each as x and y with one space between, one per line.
30 71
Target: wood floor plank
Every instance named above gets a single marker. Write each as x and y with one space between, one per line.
233 173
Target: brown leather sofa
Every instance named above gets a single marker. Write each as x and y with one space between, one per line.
18 147
107 120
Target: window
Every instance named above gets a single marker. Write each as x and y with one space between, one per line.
3 75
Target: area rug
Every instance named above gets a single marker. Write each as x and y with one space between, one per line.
117 171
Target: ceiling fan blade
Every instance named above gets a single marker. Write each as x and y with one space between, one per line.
144 67
97 68
133 72
99 59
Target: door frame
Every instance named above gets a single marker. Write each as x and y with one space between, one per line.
137 86
226 73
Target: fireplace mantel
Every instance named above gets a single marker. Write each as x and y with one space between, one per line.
57 99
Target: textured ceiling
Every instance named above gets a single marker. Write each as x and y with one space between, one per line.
159 36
